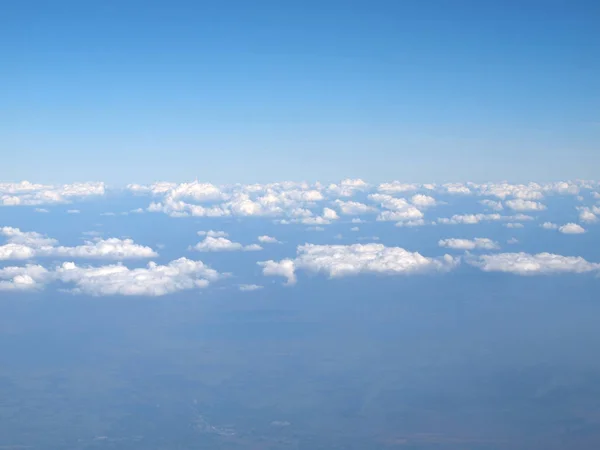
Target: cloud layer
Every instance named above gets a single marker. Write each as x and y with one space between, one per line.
346 260
539 264
26 245
117 279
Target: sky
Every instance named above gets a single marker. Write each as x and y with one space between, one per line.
236 91
299 224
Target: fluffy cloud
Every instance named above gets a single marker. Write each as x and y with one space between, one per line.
571 228
492 204
347 187
111 248
423 201
562 187
411 223
283 199
398 209
154 280
396 186
221 244
26 193
329 214
285 268
588 215
531 191
346 260
200 192
307 218
539 264
456 188
468 244
525 205
549 226
27 278
212 233
27 245
275 199
514 225
353 208
471 219
268 240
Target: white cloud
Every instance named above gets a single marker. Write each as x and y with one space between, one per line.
213 233
531 191
456 188
27 278
539 264
112 248
16 251
354 229
26 193
154 280
285 268
347 187
357 220
586 215
268 240
571 228
492 204
286 199
73 211
350 208
525 205
469 219
512 241
249 287
549 226
514 225
469 244
27 245
562 187
396 186
329 214
411 223
345 260
197 191
398 209
423 201
41 210
221 244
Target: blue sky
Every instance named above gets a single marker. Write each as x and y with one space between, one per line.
238 91
281 224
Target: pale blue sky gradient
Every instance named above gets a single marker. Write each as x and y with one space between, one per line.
243 91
